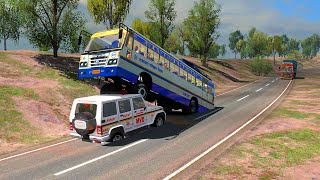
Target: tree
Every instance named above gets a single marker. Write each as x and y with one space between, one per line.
310 46
10 22
306 45
143 28
162 14
234 37
203 22
241 44
293 45
174 43
52 23
109 12
214 51
285 45
257 44
315 43
222 51
274 46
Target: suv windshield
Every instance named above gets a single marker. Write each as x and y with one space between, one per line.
91 108
103 43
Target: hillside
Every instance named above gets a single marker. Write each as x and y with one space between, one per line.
36 92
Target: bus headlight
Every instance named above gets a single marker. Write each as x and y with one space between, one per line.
112 61
83 64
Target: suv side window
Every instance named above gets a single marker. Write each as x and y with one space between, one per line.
124 106
138 103
109 109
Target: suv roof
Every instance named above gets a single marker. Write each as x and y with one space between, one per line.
107 97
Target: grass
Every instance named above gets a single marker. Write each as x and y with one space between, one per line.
292 147
285 112
13 128
222 170
279 149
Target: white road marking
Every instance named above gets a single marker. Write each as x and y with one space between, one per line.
101 157
277 78
223 140
28 152
235 89
243 98
259 90
267 84
273 81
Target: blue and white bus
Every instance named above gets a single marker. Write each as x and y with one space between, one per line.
126 61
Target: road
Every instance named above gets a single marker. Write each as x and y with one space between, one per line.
153 153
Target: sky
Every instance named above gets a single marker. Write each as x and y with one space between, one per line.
296 18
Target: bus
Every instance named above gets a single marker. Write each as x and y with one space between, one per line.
125 61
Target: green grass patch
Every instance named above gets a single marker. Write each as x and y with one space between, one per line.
15 91
303 102
48 73
222 170
287 148
284 112
13 128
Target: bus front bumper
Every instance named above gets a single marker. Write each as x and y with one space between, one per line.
97 72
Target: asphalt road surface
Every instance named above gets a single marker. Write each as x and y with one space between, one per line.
153 153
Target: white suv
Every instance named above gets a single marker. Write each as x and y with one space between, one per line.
109 117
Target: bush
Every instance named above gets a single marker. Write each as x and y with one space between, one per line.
260 67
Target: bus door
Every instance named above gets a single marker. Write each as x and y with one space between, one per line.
205 90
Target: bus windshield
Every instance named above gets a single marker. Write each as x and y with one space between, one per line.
103 43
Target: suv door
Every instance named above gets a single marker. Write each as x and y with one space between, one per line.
125 113
109 115
139 112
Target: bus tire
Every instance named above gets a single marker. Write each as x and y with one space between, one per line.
108 89
192 108
142 89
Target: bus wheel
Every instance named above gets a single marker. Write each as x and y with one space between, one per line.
108 89
142 89
192 108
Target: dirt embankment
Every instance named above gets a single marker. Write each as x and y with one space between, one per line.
41 114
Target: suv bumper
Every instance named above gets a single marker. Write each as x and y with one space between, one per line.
92 138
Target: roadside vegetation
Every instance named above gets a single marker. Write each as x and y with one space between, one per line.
46 90
285 145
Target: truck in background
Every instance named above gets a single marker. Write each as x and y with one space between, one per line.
288 69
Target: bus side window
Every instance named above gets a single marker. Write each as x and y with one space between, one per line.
150 54
183 73
205 87
198 83
129 42
129 45
143 50
191 79
136 46
164 62
156 57
174 68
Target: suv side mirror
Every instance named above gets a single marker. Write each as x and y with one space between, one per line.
79 40
120 33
